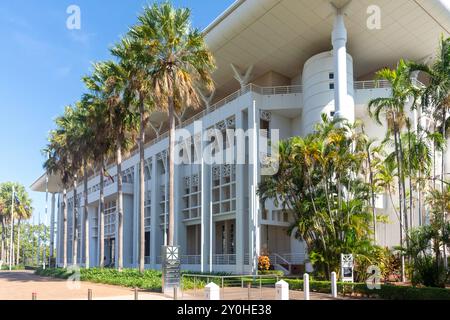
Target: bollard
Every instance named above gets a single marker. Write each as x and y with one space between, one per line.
136 294
89 294
333 285
34 296
249 286
212 291
281 290
306 285
175 293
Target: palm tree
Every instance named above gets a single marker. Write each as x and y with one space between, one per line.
22 212
101 145
58 163
180 65
393 110
85 147
136 86
114 80
436 100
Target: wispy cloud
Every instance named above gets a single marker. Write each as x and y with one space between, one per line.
63 72
81 37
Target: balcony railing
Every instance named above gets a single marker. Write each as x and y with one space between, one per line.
190 259
372 84
224 259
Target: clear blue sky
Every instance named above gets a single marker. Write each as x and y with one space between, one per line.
41 63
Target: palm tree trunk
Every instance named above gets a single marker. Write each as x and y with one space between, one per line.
65 228
444 122
119 206
75 224
397 154
2 254
101 219
18 242
410 179
372 191
403 184
171 171
86 217
141 188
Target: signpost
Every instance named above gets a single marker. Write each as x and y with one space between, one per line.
171 268
347 267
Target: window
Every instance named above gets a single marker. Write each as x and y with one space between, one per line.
232 238
110 218
147 243
331 86
224 189
223 239
192 197
148 209
331 76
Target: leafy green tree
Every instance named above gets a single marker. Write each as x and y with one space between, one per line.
22 211
320 181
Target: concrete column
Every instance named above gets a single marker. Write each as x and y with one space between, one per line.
136 216
339 40
205 203
52 226
240 210
59 232
154 221
254 241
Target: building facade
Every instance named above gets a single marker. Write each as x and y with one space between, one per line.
281 64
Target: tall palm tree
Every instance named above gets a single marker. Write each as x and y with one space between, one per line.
59 163
99 123
22 212
436 100
393 109
134 65
85 146
180 65
116 93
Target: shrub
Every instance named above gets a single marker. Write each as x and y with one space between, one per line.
263 263
386 291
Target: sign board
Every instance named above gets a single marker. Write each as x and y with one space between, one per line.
347 266
171 267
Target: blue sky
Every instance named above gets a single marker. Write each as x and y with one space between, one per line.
41 63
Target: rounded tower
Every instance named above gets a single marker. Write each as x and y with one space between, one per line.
319 84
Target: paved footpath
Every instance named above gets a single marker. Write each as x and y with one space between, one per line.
19 285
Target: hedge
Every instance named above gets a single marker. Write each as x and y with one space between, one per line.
386 291
149 280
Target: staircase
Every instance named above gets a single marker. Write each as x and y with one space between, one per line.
288 263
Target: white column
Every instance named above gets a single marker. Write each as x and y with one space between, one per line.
135 216
58 232
205 203
240 210
52 226
339 40
254 199
154 220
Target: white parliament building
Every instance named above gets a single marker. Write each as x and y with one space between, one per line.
280 65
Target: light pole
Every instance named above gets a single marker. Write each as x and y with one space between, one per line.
12 224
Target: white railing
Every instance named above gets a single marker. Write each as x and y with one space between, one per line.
190 259
224 259
293 258
372 84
